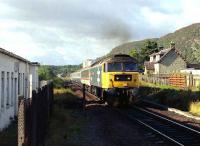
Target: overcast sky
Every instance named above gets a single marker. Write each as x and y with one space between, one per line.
63 32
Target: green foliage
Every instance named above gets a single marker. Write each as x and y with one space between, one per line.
196 51
179 99
58 82
45 73
134 53
48 72
148 48
67 119
198 87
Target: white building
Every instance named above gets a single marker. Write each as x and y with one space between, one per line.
18 77
166 61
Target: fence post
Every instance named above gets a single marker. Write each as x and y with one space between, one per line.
190 80
34 119
21 124
84 100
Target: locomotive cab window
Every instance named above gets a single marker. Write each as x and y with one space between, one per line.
119 67
114 67
130 66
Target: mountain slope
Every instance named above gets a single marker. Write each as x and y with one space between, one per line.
185 39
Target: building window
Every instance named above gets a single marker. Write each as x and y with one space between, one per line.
12 89
19 85
2 89
8 89
26 88
23 80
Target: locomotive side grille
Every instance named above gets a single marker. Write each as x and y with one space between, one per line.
123 78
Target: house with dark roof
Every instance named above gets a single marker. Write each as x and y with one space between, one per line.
165 61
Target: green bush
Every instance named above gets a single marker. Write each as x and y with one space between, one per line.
179 99
198 87
58 82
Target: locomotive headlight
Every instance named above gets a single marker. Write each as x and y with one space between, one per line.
129 78
117 78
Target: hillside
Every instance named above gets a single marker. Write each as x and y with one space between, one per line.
185 39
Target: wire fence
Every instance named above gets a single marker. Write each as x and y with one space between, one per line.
33 117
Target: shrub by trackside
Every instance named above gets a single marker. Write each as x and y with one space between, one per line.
175 98
195 108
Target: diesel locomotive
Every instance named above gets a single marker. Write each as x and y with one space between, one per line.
114 78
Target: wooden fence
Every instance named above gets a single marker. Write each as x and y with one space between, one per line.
33 117
178 80
181 81
162 79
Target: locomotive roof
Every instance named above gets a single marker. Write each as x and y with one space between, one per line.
115 58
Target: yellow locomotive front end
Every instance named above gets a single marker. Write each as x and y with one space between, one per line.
120 78
120 75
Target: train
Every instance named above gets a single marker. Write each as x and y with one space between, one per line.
114 78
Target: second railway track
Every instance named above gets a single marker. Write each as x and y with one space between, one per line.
175 133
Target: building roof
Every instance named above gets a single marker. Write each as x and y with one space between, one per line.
163 51
168 51
10 54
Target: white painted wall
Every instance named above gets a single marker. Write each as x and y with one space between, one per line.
157 57
191 70
157 68
12 75
151 59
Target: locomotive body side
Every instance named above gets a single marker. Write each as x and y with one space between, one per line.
75 76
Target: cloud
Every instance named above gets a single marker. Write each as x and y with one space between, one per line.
68 32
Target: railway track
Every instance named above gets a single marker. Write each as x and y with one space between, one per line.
175 133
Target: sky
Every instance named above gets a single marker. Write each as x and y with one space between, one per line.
70 31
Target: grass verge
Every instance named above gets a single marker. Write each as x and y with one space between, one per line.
195 108
67 119
146 84
172 97
8 137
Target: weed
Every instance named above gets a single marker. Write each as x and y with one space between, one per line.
64 122
195 108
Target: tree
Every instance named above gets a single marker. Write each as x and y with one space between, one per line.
143 55
149 48
134 53
196 52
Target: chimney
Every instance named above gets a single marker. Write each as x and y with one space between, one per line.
172 45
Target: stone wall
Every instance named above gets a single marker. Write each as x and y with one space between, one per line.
172 63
